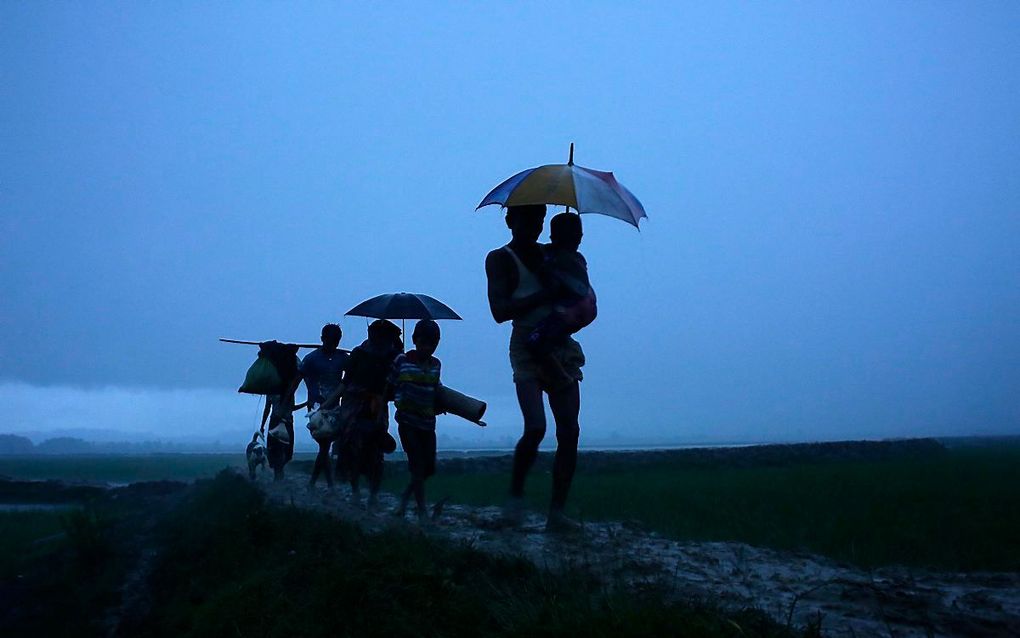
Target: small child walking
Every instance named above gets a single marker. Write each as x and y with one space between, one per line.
413 382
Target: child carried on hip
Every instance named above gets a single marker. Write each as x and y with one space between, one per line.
566 271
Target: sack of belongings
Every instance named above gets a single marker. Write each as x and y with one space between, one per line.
280 433
324 425
273 370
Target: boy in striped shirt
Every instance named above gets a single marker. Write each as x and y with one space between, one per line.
413 382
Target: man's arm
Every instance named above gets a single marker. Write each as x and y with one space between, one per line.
265 415
292 390
501 272
307 374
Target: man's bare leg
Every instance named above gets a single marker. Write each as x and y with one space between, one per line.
566 406
529 397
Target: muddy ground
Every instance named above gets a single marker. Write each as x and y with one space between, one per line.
795 588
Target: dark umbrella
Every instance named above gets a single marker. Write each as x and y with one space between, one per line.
403 305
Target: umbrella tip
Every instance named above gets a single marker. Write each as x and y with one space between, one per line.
570 160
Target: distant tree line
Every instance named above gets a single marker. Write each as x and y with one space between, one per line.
12 444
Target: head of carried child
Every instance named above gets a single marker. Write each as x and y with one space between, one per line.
425 338
565 232
331 335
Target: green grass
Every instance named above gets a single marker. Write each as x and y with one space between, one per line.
118 469
27 536
65 587
959 510
230 564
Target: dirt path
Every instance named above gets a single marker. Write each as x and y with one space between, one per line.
794 588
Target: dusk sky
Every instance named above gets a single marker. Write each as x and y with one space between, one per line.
833 192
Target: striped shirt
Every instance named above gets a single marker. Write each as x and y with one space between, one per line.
414 390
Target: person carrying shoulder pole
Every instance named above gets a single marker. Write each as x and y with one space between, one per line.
279 410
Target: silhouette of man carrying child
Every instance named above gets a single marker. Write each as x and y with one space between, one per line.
544 291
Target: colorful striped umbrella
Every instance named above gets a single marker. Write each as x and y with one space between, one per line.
583 189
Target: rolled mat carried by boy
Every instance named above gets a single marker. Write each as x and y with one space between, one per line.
413 385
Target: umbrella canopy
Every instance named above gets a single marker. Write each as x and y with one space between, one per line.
583 189
403 305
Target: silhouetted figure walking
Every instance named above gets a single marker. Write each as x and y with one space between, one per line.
364 438
322 370
516 294
279 410
413 382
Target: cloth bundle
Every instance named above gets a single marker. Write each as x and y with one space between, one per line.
325 425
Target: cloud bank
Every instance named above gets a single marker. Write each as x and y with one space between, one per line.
209 416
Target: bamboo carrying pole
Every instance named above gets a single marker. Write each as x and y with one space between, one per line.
257 343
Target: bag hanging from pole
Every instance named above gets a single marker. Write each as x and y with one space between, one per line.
264 376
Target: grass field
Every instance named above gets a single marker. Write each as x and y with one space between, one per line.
117 469
226 563
957 510
27 535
